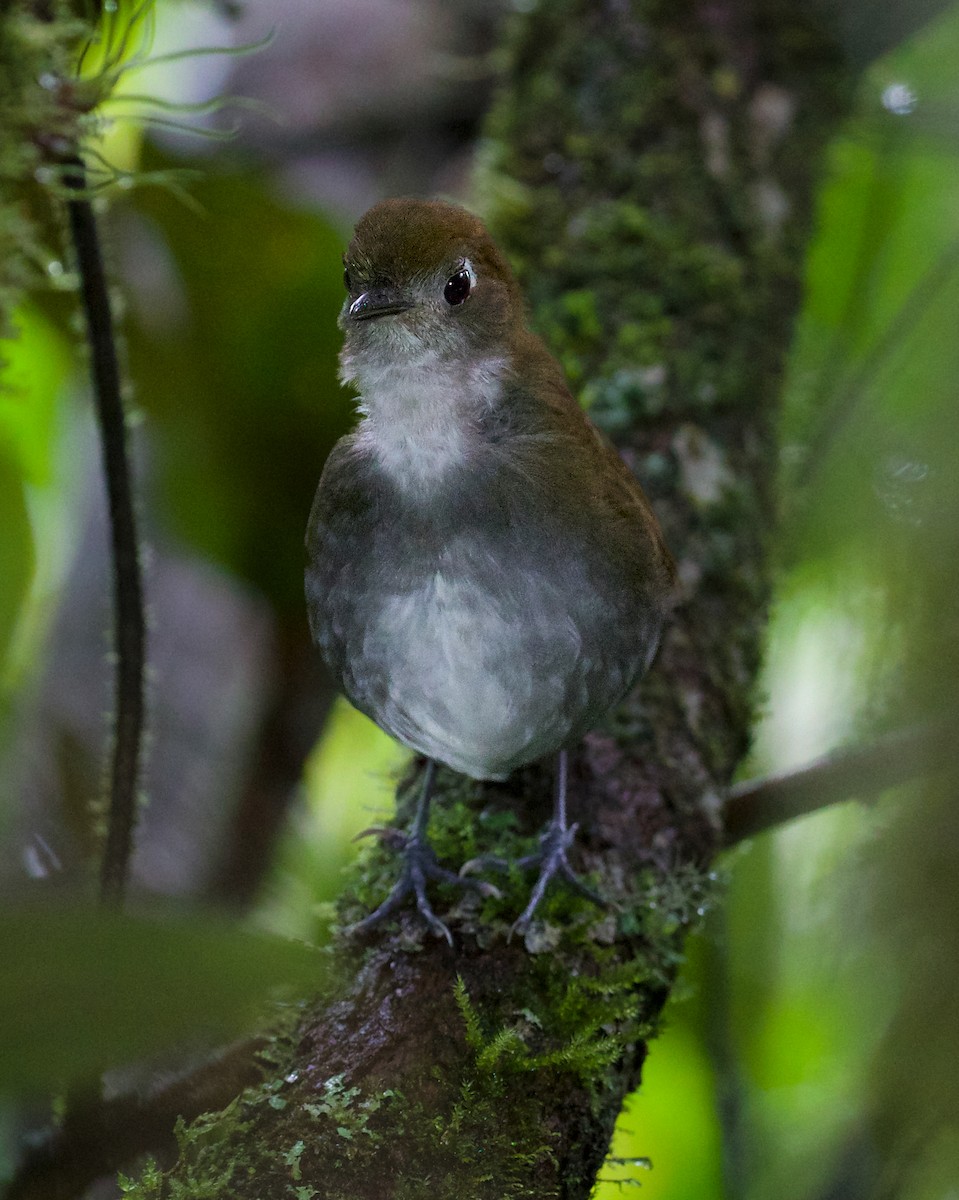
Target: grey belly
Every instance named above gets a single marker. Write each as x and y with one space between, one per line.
473 679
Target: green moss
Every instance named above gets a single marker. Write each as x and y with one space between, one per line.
580 1031
36 50
564 1024
485 1145
216 1158
475 1145
348 1111
207 1168
147 1186
462 829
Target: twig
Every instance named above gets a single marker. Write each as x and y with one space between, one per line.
130 625
861 772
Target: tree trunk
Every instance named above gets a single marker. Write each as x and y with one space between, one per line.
650 169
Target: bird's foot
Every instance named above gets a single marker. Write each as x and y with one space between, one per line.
551 859
419 866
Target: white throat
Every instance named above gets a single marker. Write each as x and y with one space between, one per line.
421 418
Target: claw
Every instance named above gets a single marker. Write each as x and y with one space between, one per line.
551 858
419 866
483 886
483 863
386 833
553 863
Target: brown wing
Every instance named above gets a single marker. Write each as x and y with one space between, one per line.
595 484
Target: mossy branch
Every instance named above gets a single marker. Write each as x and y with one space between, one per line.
630 163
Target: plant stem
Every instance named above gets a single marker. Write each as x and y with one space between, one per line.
855 772
129 620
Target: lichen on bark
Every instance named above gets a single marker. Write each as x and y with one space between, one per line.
649 167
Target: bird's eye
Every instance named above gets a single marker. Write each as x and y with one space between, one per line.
346 281
458 287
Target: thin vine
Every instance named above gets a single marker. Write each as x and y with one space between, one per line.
129 617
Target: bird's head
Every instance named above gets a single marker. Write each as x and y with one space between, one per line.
426 283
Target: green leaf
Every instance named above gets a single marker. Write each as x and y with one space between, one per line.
81 992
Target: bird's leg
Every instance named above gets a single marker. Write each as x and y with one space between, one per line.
551 858
419 865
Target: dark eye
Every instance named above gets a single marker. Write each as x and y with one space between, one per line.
458 287
346 281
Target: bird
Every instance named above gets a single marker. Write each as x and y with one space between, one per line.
485 576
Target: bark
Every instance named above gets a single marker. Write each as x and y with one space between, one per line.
650 169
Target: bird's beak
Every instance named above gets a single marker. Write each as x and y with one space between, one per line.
379 302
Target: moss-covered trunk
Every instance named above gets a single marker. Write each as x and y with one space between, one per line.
650 168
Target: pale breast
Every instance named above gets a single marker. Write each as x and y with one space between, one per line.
421 421
472 684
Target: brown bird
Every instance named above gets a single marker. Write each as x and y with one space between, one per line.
486 578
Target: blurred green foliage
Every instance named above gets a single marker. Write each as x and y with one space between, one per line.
36 363
81 992
16 547
238 374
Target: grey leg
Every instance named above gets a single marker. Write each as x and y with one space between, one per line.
420 865
551 858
